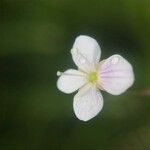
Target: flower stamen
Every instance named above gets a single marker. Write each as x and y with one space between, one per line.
92 77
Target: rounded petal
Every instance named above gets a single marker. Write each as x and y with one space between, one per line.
116 75
87 103
85 52
71 80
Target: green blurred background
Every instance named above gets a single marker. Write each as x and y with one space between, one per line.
36 38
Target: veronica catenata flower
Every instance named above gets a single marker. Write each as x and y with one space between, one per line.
113 75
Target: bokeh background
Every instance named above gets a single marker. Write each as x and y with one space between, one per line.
35 41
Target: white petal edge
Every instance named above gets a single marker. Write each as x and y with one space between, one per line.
116 75
86 52
71 80
87 103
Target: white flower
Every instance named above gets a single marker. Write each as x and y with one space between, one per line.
114 75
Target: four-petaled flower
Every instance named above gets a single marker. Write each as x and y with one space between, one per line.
114 75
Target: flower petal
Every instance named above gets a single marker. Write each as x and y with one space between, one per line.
116 75
85 52
71 80
87 103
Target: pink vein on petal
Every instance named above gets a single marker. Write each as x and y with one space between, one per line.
109 71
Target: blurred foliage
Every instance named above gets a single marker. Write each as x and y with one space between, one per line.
36 38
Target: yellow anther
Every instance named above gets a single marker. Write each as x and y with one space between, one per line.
92 77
